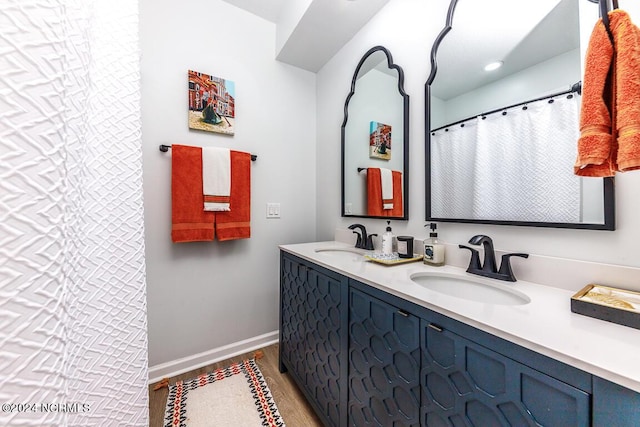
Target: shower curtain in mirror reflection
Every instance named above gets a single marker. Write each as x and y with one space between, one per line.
512 183
73 329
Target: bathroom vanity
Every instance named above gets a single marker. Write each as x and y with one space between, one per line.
375 345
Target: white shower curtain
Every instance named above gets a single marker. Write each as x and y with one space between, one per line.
514 183
73 334
452 183
493 177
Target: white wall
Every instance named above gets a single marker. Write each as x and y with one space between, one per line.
407 28
206 295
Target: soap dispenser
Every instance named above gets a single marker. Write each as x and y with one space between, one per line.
433 250
387 240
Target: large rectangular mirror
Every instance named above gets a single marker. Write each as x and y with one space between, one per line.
501 144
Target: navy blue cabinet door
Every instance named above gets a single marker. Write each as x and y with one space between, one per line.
313 307
384 364
614 405
466 384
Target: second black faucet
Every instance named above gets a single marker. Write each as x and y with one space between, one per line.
489 267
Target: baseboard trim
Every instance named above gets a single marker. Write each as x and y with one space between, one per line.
189 363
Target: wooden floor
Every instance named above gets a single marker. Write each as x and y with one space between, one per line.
292 405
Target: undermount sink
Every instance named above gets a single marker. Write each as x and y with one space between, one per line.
352 254
470 288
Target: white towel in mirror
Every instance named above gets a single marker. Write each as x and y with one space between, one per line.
386 178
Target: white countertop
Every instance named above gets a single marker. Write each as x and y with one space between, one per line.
545 325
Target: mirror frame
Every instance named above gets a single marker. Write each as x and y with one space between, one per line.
608 183
405 150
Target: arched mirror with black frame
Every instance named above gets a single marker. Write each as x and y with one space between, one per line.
375 140
500 145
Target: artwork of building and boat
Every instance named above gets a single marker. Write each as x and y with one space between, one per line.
379 141
211 103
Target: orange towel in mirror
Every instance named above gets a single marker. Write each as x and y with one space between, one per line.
190 223
374 194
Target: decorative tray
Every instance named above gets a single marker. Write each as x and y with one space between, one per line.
613 305
392 259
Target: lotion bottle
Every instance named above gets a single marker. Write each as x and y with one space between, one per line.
433 250
387 240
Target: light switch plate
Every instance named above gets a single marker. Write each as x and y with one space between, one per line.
273 210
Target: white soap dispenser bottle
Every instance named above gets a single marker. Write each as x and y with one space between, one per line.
387 240
433 250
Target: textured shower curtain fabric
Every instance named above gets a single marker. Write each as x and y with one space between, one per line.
520 191
72 282
452 184
510 183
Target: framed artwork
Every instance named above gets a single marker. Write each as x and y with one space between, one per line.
379 141
212 103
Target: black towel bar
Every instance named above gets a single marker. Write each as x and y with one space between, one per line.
164 148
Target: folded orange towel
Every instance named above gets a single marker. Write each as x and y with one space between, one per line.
610 116
374 194
627 42
190 222
235 224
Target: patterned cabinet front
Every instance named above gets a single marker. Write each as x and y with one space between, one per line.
467 384
384 364
313 327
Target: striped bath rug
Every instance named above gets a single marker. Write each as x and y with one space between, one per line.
236 396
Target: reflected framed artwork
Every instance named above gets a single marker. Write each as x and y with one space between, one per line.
380 141
212 104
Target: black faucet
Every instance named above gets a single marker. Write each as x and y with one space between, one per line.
369 243
489 268
363 241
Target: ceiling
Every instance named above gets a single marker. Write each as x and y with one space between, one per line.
546 27
481 33
301 26
267 9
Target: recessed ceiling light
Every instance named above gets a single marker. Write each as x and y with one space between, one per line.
493 66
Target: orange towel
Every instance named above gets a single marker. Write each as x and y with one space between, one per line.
627 42
595 147
190 222
611 100
374 194
235 224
